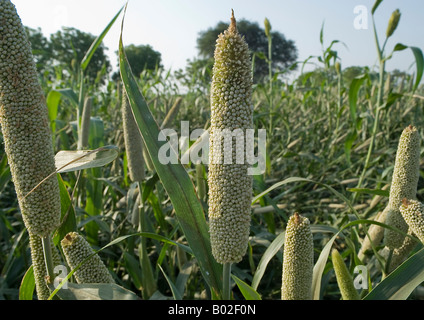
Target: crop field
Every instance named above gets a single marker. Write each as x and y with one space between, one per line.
127 188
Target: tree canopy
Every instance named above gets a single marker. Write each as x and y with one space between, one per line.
284 52
65 49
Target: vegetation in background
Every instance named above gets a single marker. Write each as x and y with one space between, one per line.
332 137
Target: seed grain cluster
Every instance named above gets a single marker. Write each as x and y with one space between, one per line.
25 127
404 184
230 187
76 249
298 260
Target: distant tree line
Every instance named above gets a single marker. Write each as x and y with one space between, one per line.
61 53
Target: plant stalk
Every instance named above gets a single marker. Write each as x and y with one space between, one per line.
48 259
226 285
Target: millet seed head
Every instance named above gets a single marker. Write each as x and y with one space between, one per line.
230 187
404 183
76 249
298 260
25 127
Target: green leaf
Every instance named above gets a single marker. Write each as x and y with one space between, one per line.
70 95
175 293
376 192
68 219
133 267
353 95
400 47
26 290
86 60
52 101
175 180
269 253
247 291
419 61
399 284
95 291
67 161
375 6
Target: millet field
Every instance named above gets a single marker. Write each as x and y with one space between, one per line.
89 209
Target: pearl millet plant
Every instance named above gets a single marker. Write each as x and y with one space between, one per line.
76 249
404 184
230 187
298 260
25 127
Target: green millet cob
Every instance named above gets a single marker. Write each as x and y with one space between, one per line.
76 249
298 260
25 127
404 184
413 213
344 278
133 142
39 265
230 187
393 23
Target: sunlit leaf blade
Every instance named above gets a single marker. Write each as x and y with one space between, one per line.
419 61
67 161
26 290
402 281
247 291
86 60
269 253
175 180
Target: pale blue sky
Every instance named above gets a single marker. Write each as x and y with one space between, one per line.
172 26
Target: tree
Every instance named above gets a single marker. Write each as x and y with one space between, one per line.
41 48
142 57
69 47
284 52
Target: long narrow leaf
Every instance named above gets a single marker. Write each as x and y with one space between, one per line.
175 180
402 281
86 60
248 292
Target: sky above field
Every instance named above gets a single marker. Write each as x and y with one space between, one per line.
172 26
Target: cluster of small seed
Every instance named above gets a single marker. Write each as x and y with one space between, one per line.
230 187
404 184
39 265
133 142
76 249
413 213
298 260
25 127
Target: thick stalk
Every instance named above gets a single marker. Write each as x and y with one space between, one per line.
226 285
47 249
